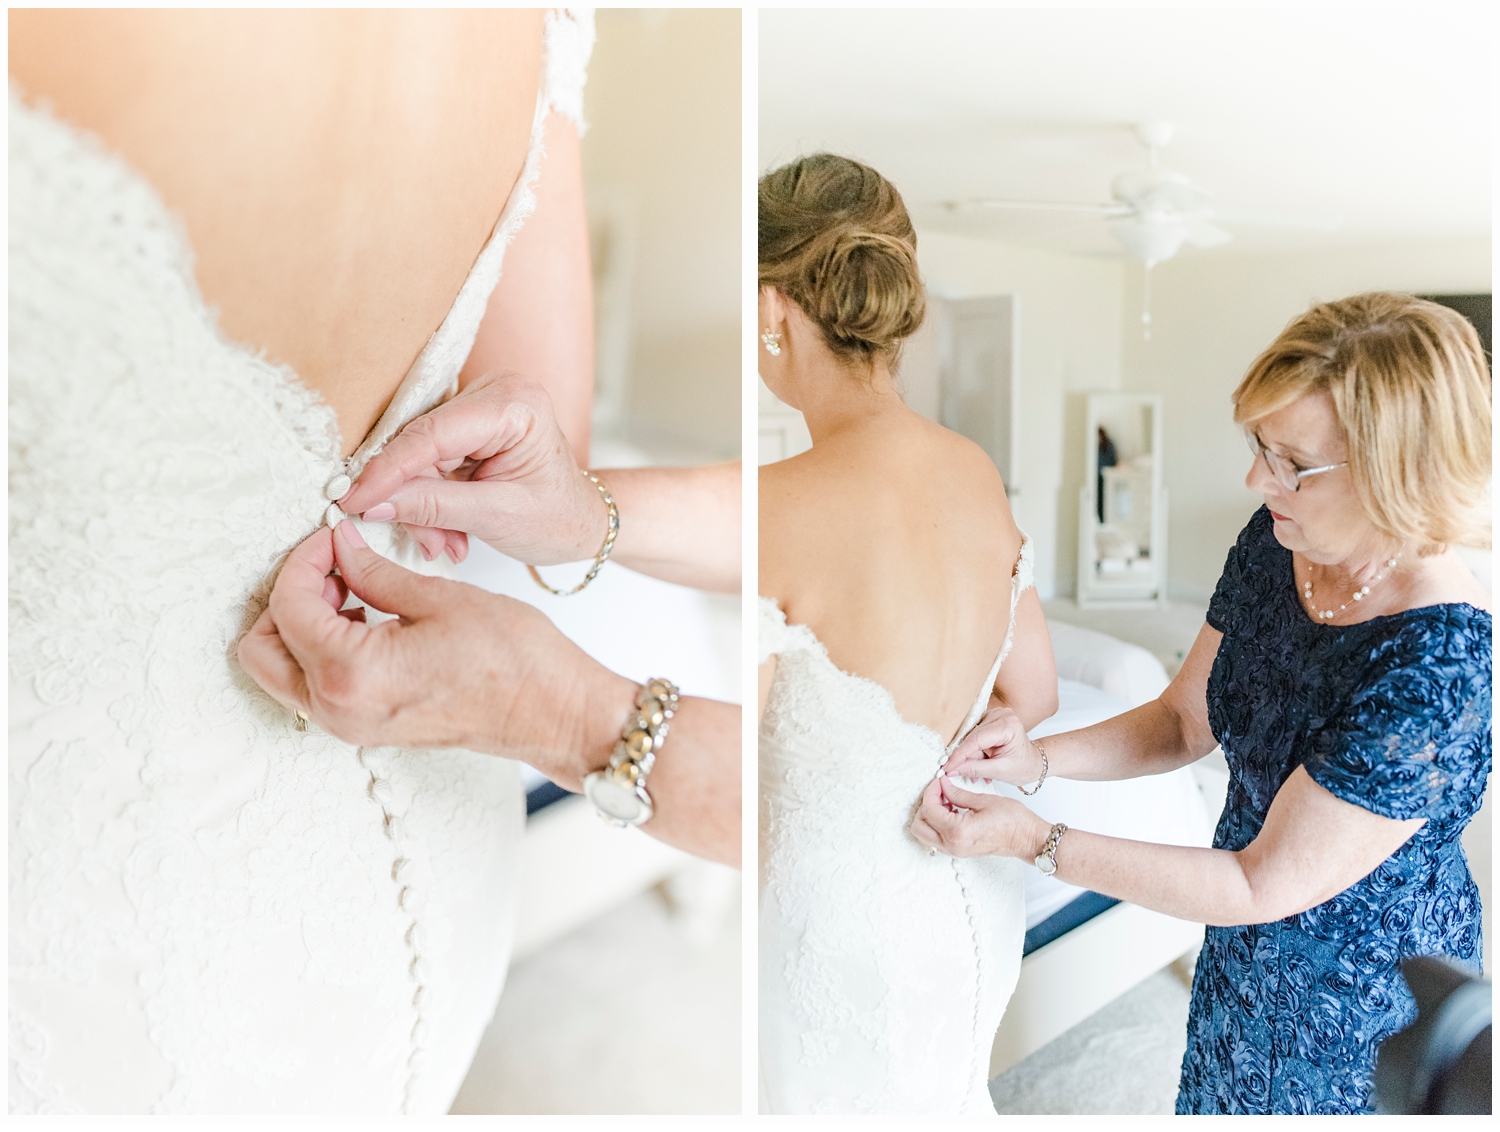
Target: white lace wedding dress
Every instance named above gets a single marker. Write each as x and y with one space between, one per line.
211 911
884 970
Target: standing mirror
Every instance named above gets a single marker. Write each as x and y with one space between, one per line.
1122 505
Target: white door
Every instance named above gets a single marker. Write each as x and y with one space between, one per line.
976 374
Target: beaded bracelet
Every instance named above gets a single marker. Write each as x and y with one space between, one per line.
610 534
1040 780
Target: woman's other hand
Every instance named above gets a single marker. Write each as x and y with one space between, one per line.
460 668
976 825
996 749
465 668
492 463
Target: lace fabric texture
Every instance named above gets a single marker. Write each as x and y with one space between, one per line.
884 970
1392 715
209 910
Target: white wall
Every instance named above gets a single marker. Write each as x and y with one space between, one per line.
1212 314
663 103
1069 324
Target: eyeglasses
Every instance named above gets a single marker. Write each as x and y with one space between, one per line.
1287 474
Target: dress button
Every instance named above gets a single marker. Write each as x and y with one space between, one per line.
338 487
334 515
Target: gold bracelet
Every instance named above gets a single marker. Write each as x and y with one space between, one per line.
619 791
610 534
1040 780
1046 860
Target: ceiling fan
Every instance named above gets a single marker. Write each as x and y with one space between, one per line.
1154 212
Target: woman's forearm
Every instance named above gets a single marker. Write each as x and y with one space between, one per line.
695 784
680 524
1169 732
1205 886
695 787
1146 740
1311 847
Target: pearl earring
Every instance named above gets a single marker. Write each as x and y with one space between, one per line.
773 343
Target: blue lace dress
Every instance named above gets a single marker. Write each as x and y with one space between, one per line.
1393 715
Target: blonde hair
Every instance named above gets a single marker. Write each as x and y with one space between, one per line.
836 240
1411 389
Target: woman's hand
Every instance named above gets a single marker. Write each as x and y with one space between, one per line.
460 668
976 825
466 668
492 463
996 749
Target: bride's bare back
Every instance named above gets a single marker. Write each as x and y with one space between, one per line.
893 541
338 171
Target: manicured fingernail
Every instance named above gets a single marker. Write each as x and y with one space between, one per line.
380 513
351 535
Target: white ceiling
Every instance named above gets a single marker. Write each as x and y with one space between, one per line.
1379 118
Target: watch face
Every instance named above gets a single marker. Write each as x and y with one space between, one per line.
1046 866
617 801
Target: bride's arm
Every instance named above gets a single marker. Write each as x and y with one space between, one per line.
540 317
1027 682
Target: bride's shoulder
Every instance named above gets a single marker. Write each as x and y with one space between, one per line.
960 449
967 471
796 482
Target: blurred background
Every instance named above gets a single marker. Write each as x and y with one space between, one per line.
661 163
624 990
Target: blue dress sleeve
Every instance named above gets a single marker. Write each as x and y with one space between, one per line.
1417 728
1235 582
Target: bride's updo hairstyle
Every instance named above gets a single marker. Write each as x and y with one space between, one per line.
836 240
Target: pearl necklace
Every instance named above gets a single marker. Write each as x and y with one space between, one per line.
1359 594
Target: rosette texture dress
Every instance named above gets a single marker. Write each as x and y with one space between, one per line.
1392 715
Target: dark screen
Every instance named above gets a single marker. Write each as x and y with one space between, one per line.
1478 309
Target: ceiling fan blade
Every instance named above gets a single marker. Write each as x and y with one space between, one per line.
1153 190
1202 234
1264 218
1035 205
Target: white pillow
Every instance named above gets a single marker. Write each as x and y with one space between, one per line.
1127 672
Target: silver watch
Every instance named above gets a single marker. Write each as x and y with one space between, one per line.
1046 862
619 791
